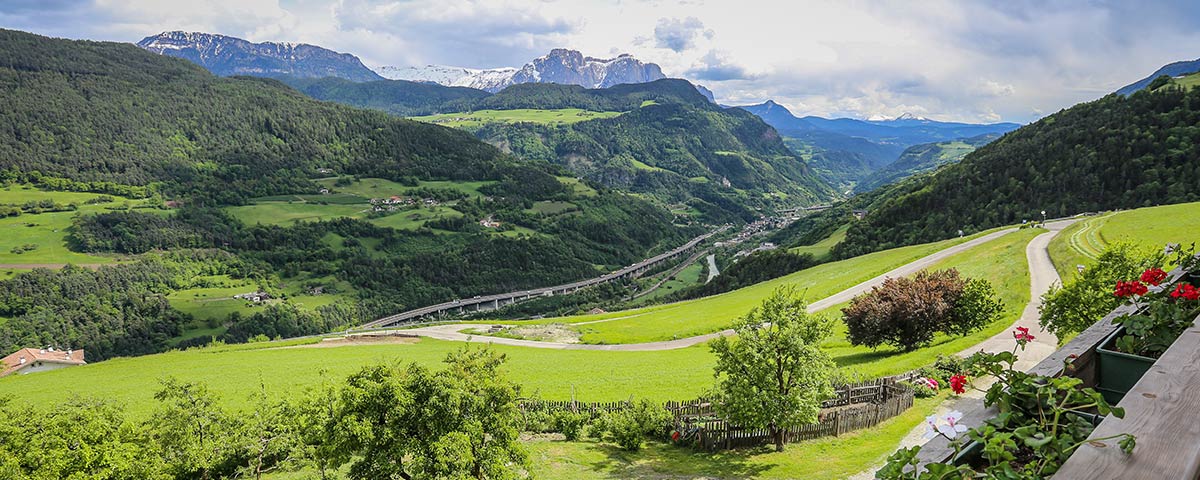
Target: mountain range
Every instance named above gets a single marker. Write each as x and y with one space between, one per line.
561 65
228 56
845 151
842 151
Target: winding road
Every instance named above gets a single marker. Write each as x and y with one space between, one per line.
1042 275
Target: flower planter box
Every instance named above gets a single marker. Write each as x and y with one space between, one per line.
971 452
1118 371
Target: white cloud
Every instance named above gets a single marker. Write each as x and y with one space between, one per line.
679 34
941 58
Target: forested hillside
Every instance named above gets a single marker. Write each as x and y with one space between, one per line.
109 111
397 97
671 142
236 154
1115 152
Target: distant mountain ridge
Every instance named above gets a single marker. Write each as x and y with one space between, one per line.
561 65
905 130
923 158
845 151
228 56
1114 152
1172 69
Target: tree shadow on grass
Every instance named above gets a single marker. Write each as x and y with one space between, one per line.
659 460
865 357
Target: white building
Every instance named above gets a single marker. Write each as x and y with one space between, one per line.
30 360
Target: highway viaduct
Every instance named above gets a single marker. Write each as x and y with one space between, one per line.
493 302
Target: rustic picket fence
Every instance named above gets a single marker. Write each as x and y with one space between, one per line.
855 406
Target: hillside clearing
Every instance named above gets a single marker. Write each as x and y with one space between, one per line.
476 119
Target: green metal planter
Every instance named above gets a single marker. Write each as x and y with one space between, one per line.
1118 371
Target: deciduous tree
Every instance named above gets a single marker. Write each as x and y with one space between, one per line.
774 374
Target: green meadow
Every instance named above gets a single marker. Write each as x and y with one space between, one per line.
353 201
48 231
710 314
476 119
821 249
1150 227
234 371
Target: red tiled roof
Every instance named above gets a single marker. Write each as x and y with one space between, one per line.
12 363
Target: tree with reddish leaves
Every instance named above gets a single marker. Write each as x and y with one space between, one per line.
907 313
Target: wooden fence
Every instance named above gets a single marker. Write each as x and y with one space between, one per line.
855 406
881 402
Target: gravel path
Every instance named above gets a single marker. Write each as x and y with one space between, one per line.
454 331
1041 276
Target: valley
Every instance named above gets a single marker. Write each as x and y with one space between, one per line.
307 246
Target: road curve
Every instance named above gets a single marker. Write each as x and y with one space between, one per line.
1041 276
453 332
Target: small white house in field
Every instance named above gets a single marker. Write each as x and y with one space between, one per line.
30 360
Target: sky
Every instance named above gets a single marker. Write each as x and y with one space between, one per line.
1009 60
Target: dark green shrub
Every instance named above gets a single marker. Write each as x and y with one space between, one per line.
571 424
539 421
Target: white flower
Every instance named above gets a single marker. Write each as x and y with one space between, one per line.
931 428
952 428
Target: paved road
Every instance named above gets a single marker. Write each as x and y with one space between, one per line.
453 331
496 299
1041 276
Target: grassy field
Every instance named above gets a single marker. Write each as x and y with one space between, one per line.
282 213
380 188
821 249
549 207
476 119
235 372
47 230
690 275
710 314
214 302
352 201
578 187
1002 262
1151 227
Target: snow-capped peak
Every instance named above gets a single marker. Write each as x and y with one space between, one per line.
559 66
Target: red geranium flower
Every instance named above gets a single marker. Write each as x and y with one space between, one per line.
1153 276
1128 289
1022 335
1186 291
958 383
